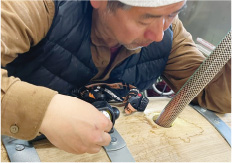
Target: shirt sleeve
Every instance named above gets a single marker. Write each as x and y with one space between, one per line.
23 24
184 60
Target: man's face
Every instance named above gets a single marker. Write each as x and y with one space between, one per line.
139 26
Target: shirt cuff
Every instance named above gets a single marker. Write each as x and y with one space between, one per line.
23 108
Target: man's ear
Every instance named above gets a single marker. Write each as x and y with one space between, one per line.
97 4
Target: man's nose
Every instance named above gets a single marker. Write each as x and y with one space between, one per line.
155 32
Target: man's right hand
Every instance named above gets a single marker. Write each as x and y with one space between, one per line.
75 126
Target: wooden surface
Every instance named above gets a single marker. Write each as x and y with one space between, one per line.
191 139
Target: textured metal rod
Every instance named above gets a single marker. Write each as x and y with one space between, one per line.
196 83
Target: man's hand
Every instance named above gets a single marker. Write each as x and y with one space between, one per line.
75 126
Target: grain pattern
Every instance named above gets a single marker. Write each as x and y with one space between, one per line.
191 139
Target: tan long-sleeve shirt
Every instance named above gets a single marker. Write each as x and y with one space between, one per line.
25 23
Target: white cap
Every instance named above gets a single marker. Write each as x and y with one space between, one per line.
149 3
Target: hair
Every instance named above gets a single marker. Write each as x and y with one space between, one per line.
113 5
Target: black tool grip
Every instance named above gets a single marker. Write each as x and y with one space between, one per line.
105 106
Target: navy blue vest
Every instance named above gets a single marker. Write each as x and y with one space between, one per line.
62 61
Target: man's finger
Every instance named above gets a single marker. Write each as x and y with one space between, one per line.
95 149
108 126
105 139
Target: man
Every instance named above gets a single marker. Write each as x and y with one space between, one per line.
51 48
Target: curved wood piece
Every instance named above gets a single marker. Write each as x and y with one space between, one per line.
191 139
